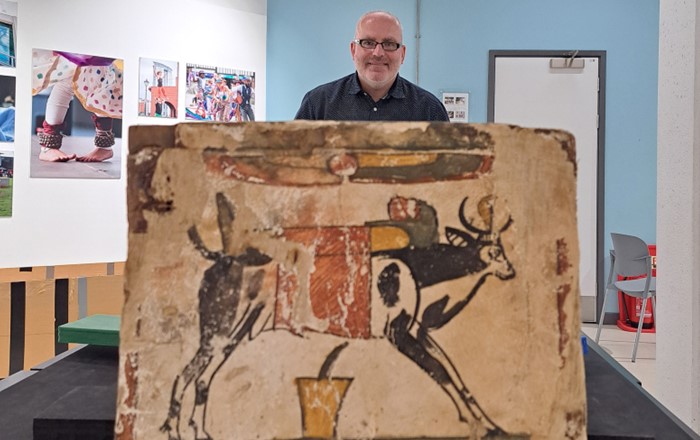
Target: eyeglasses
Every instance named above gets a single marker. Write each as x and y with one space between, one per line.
389 46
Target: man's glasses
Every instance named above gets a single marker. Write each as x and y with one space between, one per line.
389 46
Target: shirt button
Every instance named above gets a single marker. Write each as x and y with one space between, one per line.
375 109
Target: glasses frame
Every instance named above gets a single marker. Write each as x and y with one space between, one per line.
377 43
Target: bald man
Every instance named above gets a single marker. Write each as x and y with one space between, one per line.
375 92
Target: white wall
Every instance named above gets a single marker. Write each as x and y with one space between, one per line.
678 211
67 221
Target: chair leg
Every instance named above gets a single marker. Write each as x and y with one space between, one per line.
605 295
639 327
601 318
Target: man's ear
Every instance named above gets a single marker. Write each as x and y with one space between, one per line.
403 53
352 49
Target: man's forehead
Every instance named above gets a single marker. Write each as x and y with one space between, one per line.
379 25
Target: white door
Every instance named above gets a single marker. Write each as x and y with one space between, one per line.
538 92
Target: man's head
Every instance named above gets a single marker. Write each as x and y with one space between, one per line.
377 67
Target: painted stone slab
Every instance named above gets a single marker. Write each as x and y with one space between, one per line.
351 280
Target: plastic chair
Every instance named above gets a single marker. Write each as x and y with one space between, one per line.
630 258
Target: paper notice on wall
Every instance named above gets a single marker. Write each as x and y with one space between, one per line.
457 105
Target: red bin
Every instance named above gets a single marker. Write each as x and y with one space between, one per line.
630 307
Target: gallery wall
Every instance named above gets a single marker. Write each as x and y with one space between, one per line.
452 55
75 220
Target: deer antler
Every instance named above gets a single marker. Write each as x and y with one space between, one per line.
485 209
466 223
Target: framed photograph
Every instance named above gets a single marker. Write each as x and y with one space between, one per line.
78 132
7 40
7 108
219 94
7 161
158 88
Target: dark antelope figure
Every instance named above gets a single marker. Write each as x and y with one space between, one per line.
426 300
414 285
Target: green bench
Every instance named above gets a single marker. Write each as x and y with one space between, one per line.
94 330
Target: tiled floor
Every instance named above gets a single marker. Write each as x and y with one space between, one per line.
619 344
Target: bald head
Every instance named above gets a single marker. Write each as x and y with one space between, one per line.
374 16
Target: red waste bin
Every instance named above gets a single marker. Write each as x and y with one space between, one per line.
631 307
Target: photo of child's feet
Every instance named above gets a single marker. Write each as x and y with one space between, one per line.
78 158
96 155
54 155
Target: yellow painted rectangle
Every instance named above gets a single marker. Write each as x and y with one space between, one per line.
4 309
38 348
14 274
4 330
105 295
80 270
73 305
39 339
4 356
40 307
119 268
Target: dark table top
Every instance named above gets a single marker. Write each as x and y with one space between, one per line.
618 407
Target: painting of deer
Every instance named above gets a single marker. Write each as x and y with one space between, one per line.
423 284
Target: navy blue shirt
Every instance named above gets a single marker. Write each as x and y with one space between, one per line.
344 100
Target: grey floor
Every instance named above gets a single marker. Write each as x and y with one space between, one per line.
619 343
79 145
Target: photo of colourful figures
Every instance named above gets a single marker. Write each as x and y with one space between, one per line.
158 88
76 121
219 94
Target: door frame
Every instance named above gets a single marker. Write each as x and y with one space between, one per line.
590 310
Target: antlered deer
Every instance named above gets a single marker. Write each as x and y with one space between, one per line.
234 304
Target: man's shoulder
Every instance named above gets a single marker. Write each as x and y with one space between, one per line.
427 105
332 87
326 100
410 88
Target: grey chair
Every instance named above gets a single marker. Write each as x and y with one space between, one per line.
630 258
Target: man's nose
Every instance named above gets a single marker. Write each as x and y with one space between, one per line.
378 50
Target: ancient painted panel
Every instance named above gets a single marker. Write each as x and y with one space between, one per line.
351 280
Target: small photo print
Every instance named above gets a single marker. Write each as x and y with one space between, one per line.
158 88
76 121
457 106
8 33
219 94
7 108
7 162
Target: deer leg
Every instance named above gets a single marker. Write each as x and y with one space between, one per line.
194 368
242 329
465 395
431 358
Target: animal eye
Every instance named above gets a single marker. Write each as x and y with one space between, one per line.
495 252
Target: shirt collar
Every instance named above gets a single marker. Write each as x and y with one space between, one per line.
396 90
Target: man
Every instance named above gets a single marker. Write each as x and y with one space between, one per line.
247 94
375 92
